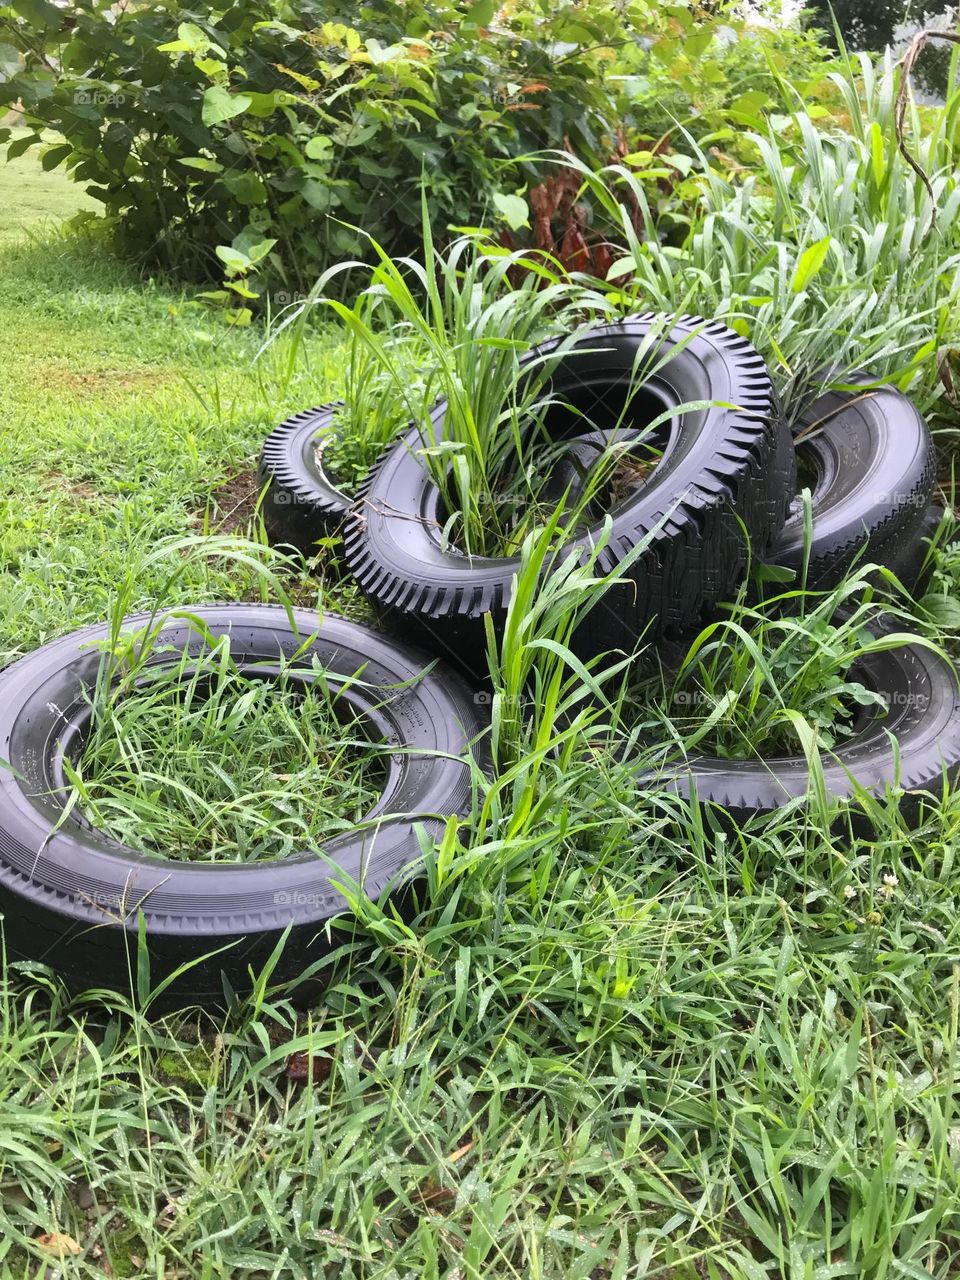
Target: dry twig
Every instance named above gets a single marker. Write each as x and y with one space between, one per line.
907 63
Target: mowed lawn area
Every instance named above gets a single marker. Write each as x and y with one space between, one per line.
126 407
617 1044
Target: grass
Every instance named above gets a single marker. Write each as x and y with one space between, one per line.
127 406
616 1041
203 764
742 682
35 199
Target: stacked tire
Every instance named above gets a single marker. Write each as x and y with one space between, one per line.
723 485
726 491
870 462
302 502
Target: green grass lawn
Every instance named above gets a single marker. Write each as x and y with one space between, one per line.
34 200
126 405
619 1044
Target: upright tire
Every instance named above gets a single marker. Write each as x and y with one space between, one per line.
869 460
71 897
725 480
302 502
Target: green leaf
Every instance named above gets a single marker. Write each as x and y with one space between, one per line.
622 267
219 105
378 54
202 163
247 187
241 290
480 14
9 60
319 148
39 14
235 262
747 109
190 39
318 195
811 260
513 209
944 610
20 145
257 252
697 43
877 159
261 104
680 162
210 67
55 155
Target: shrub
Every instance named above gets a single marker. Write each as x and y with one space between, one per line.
244 136
260 125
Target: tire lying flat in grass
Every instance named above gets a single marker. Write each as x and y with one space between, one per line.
726 476
872 466
302 502
923 715
71 896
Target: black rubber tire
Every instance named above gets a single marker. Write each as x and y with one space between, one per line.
721 466
302 502
567 479
70 896
874 466
923 716
908 555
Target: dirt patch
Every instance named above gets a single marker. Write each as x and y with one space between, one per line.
76 490
232 505
630 474
61 379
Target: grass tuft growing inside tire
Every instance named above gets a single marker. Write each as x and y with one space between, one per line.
747 687
205 762
843 702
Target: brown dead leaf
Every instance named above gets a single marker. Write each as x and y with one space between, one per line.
946 377
298 1067
435 1198
58 1243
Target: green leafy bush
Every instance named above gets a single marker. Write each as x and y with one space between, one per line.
264 127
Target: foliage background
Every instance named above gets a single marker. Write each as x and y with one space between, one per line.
266 127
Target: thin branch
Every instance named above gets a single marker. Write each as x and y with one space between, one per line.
907 63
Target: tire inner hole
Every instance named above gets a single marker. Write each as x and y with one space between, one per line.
246 763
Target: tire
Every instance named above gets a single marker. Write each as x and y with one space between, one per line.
721 466
302 502
70 896
873 467
908 556
566 481
923 716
